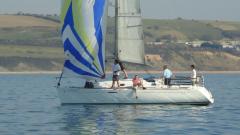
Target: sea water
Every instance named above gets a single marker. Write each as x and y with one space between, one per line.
29 105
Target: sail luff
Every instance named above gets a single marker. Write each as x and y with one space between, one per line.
116 30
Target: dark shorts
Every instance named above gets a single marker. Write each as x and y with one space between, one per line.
115 78
167 81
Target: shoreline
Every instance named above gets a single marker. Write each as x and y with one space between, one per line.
131 72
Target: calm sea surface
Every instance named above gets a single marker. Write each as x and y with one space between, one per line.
29 105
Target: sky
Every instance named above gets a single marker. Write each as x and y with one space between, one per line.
157 9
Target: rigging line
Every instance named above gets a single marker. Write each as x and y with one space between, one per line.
60 78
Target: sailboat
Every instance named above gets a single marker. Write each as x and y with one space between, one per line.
83 35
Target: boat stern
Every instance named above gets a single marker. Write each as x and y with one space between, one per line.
207 94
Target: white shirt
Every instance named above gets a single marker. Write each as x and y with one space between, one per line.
116 69
194 74
167 73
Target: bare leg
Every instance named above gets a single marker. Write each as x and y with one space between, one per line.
142 85
118 84
125 74
113 84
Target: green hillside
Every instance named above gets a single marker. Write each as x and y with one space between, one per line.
188 30
34 43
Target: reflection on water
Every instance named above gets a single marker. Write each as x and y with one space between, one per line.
131 119
29 105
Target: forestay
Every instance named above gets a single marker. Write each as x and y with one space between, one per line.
130 45
83 36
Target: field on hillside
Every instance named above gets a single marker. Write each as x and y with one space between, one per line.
187 30
7 21
31 51
28 31
34 43
224 25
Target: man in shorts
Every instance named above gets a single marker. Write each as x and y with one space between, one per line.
116 72
167 74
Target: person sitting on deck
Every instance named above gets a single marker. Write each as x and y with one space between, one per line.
167 74
137 82
89 84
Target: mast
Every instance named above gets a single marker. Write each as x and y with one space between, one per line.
116 31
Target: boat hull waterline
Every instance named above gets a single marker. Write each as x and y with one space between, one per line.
188 95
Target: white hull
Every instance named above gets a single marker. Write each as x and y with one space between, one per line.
179 95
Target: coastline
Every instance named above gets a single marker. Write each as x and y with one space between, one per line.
131 72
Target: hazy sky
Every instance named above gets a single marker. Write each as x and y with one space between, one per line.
163 9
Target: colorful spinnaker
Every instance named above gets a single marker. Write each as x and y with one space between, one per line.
83 36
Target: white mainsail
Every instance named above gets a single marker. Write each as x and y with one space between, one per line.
130 45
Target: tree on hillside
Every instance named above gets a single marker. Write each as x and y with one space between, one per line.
212 46
158 39
231 34
206 37
148 34
169 37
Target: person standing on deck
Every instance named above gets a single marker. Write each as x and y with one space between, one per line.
123 69
193 75
167 74
116 72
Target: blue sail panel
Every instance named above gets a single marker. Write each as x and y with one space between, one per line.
70 48
77 70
